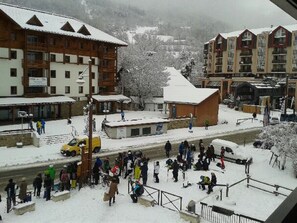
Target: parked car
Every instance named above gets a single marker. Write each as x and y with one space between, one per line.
233 152
258 144
73 148
274 121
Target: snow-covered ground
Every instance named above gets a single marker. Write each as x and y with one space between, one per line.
59 133
87 205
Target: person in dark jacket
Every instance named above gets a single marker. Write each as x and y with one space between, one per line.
213 182
37 184
144 169
181 149
96 173
175 167
10 189
167 148
47 184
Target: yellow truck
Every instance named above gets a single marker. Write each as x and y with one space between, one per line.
73 148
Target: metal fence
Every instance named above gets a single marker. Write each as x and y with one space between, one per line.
165 199
216 214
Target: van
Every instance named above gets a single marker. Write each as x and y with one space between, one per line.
233 152
73 147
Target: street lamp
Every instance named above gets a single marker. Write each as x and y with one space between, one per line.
86 164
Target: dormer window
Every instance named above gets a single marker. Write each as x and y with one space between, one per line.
281 33
246 36
219 40
67 27
83 30
34 21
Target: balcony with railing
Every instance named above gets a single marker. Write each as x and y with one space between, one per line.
243 62
279 51
280 61
246 53
279 69
219 54
245 70
36 46
36 63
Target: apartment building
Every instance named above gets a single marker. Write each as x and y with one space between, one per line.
249 56
41 56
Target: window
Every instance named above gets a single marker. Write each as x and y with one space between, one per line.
13 36
93 89
67 59
13 54
53 58
52 41
229 150
93 75
13 90
13 72
80 60
67 74
81 45
93 61
67 89
105 63
105 49
53 74
146 131
32 39
66 44
160 106
134 132
81 89
53 90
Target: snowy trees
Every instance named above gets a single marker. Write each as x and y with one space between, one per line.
283 136
142 68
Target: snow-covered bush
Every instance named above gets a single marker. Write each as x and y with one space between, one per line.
283 137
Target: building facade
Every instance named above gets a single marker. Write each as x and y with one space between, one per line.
250 55
42 54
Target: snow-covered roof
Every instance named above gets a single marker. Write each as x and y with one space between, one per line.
52 23
136 122
187 95
257 31
9 101
177 79
118 97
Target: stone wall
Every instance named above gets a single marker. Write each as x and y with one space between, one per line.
180 123
9 139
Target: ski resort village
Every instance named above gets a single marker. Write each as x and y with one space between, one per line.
148 111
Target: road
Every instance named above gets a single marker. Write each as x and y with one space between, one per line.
31 170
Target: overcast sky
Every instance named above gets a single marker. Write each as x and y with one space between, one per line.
241 13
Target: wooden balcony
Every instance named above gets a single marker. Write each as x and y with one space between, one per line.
36 46
109 55
36 63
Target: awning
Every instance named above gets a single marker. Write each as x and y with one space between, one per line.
21 101
107 98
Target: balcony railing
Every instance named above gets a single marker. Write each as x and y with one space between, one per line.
245 70
244 62
260 69
218 63
246 53
218 71
279 51
278 70
36 63
279 61
36 45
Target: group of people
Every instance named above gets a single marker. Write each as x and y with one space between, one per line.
185 159
40 126
11 189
